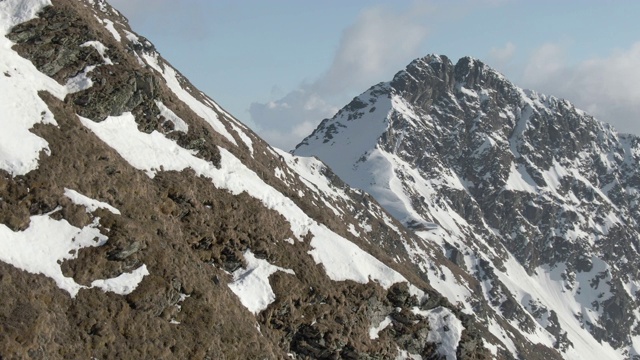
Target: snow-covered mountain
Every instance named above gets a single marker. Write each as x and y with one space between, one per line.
140 220
535 201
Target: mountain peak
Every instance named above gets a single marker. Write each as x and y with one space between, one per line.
422 70
521 190
434 64
435 75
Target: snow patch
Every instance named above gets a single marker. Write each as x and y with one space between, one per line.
344 260
102 50
81 81
112 29
445 330
374 330
352 230
467 92
243 136
520 180
90 204
20 105
152 60
493 349
251 284
46 243
178 123
405 355
132 37
125 283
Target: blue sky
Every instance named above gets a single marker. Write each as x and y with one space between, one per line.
281 66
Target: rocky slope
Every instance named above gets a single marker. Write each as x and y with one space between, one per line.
140 220
533 199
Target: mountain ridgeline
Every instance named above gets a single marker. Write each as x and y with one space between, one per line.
445 214
533 198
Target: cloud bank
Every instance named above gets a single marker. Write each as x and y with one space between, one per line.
380 42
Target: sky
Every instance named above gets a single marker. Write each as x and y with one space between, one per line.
282 66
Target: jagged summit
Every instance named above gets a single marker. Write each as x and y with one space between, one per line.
467 71
535 199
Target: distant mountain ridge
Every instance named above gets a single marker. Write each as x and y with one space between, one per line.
533 198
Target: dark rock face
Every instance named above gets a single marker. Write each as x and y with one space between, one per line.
506 174
53 42
56 44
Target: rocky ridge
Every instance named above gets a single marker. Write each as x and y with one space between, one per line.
138 219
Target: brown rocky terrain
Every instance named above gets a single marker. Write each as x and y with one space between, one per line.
190 234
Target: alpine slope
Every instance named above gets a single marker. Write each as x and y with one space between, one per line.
139 219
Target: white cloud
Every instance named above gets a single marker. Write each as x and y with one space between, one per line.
546 62
503 54
375 44
378 44
608 87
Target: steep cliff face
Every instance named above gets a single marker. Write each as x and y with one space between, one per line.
138 219
535 200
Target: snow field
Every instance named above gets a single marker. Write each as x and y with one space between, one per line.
547 287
